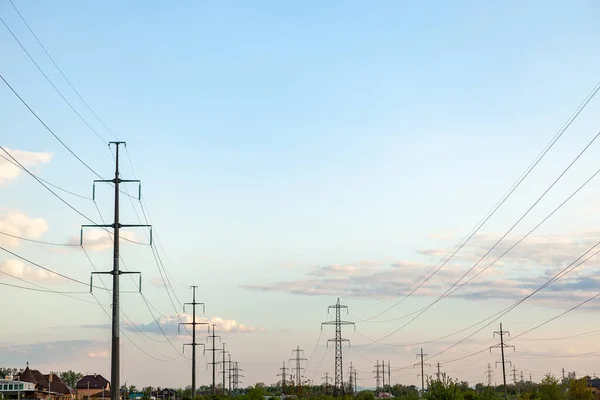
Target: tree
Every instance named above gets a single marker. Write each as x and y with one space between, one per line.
443 389
365 395
70 377
549 389
579 390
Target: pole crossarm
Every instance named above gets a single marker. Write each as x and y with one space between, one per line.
119 272
118 225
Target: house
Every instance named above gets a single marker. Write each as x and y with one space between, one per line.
165 394
92 385
32 384
594 385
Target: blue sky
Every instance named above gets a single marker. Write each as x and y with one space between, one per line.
295 152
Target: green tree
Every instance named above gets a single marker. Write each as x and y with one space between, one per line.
579 390
549 389
443 389
365 395
70 377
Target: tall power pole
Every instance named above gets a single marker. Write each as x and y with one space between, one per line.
214 362
326 379
489 373
115 357
194 343
230 370
236 377
383 375
377 376
501 345
283 376
439 370
422 364
297 369
338 389
389 376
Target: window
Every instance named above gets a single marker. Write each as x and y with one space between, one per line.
10 386
21 386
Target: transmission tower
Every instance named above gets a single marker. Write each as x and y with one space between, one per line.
326 379
422 364
283 376
383 375
194 343
236 377
115 357
230 370
351 378
502 346
517 386
439 370
298 369
377 376
214 362
389 376
489 373
338 389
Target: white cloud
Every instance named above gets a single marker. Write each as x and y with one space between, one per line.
20 270
19 224
98 354
10 171
100 240
518 273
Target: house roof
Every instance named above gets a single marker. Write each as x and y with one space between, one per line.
40 380
95 382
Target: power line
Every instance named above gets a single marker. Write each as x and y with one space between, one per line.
456 285
61 71
536 161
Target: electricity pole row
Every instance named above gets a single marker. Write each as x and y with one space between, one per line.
502 346
194 343
422 364
115 358
338 389
214 362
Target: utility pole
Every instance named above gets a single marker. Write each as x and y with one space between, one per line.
438 371
522 376
514 371
230 370
351 378
338 389
355 382
377 376
298 370
489 373
389 376
501 345
223 366
236 378
563 374
115 357
383 374
194 343
283 376
326 379
422 363
214 362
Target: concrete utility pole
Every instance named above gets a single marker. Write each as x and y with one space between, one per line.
298 370
389 376
230 370
502 346
194 343
422 363
214 362
283 376
338 389
115 358
438 371
355 382
383 375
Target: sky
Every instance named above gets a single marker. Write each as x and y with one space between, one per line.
294 153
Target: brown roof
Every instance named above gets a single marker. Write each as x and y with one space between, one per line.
41 381
27 376
95 382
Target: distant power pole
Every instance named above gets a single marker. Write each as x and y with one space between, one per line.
355 382
389 376
501 345
115 358
236 377
338 389
438 371
422 363
326 379
489 373
298 370
377 376
383 374
230 371
351 378
214 362
522 378
563 374
283 376
194 343
223 352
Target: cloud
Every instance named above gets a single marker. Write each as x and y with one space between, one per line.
515 274
9 170
38 353
98 354
100 240
170 325
19 224
18 269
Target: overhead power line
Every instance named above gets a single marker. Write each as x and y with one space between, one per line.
444 260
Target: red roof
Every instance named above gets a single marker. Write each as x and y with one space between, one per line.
94 381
